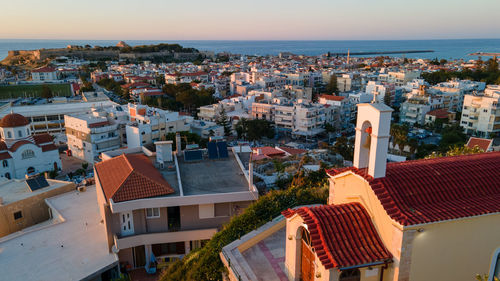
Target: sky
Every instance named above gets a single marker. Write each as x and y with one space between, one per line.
249 19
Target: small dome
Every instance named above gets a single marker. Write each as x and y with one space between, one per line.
13 120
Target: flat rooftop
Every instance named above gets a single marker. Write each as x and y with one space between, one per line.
16 190
212 176
71 249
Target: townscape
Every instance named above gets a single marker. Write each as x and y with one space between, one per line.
163 162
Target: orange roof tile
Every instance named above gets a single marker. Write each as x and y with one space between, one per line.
484 144
129 177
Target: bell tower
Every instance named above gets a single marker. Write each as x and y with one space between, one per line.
372 138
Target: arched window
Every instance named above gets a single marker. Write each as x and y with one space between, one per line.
20 133
9 134
495 266
27 131
7 175
350 275
30 170
5 163
28 153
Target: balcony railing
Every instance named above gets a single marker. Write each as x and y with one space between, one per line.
124 242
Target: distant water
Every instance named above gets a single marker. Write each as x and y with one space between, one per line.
455 49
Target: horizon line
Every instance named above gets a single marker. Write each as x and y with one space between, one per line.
246 40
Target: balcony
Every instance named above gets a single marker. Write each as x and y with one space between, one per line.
124 242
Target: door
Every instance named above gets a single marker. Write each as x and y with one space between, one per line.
139 256
307 263
127 223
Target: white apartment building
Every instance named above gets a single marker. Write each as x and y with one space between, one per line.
44 74
399 78
91 134
415 108
480 115
149 124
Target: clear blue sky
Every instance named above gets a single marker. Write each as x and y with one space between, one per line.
249 19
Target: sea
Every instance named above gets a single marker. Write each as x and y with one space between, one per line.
443 49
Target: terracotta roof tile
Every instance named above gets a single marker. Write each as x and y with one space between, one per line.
18 144
13 120
49 147
292 151
43 138
430 190
332 97
484 144
129 177
5 155
268 151
3 146
343 235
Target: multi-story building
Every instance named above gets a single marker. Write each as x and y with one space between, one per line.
480 113
49 118
91 134
174 78
399 78
44 74
148 124
23 153
348 82
417 106
167 204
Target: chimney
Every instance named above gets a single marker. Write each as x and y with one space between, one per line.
163 152
372 138
178 145
250 174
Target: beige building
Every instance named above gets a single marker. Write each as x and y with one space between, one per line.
480 115
429 219
22 205
166 204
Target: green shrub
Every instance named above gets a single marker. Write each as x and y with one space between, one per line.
205 264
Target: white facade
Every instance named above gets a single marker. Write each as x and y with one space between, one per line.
480 115
22 153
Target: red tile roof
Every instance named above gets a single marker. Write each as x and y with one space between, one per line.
42 138
5 155
13 120
98 124
343 235
18 144
129 177
484 144
430 190
292 151
44 69
268 151
332 97
49 147
3 146
441 113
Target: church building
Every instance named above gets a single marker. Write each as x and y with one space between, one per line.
23 153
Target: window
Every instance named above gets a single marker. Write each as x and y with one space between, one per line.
20 133
206 211
5 163
18 215
28 153
152 213
7 175
495 266
222 210
9 134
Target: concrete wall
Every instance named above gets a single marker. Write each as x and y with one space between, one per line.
353 188
34 210
454 250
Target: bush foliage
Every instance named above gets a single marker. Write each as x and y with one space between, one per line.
205 264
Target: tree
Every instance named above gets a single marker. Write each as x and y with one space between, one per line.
399 134
224 121
255 129
343 147
331 87
46 92
452 136
457 150
387 99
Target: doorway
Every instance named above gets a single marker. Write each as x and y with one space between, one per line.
307 257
